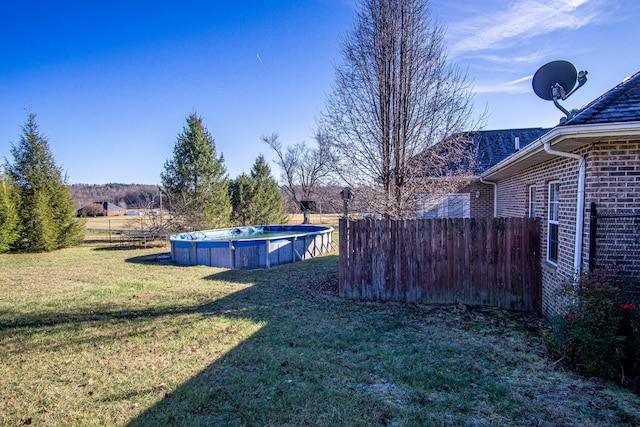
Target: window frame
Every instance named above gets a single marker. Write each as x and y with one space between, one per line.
553 222
532 201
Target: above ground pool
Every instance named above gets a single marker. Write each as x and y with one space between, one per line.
251 247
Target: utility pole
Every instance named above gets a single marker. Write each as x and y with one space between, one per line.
160 194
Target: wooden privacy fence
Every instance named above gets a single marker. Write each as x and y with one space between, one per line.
489 262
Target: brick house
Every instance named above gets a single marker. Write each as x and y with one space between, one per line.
476 199
592 158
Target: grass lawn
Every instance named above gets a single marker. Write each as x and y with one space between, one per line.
97 335
122 222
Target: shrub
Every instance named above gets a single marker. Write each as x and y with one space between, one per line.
93 209
599 332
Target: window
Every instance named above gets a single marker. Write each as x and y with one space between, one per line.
532 201
452 206
552 240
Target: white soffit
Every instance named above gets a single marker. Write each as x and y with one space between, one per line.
561 138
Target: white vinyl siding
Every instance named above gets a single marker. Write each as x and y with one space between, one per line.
450 206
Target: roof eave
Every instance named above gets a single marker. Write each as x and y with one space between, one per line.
562 138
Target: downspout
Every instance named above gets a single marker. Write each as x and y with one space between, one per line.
577 255
495 196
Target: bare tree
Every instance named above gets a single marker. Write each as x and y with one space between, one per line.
303 169
394 98
93 209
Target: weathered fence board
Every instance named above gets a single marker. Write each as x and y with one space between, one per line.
490 262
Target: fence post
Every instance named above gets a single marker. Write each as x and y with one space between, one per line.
343 256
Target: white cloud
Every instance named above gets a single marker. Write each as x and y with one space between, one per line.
532 58
522 20
521 85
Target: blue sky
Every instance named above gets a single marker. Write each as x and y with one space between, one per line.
112 82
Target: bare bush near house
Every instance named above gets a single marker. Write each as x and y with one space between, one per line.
303 169
93 209
155 220
328 197
394 98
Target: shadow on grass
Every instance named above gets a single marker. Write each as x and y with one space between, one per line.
315 359
156 258
324 361
108 248
95 314
120 247
97 242
307 365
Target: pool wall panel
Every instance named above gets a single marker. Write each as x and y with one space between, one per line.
250 257
280 252
252 254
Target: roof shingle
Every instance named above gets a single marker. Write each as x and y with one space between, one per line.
620 104
495 145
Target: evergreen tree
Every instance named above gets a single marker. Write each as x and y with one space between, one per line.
266 204
241 192
9 220
195 180
255 198
45 206
70 228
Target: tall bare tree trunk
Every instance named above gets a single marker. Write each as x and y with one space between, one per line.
394 99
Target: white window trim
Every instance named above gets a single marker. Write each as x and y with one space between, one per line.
551 221
532 201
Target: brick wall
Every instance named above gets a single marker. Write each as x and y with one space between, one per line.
613 176
481 200
612 181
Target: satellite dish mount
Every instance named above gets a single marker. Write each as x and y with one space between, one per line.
557 81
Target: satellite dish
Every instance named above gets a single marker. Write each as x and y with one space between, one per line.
561 75
557 81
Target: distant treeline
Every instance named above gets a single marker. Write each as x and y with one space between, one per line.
127 196
145 196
